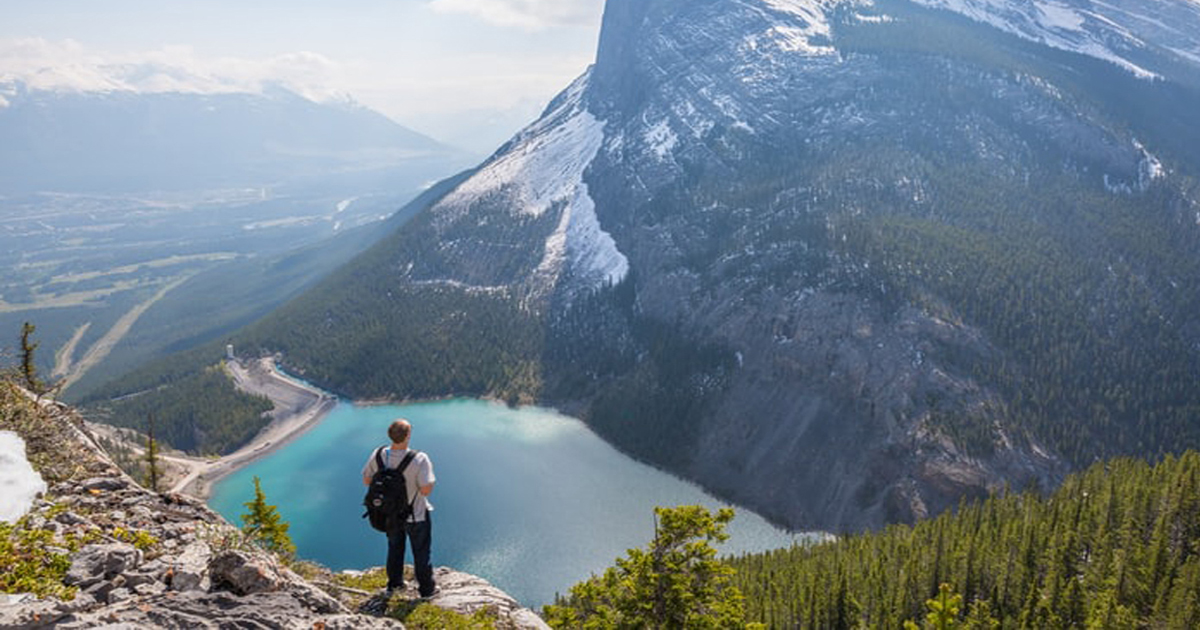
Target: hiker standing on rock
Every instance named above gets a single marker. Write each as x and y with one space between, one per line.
412 521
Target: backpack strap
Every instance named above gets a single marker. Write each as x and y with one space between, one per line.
379 458
408 457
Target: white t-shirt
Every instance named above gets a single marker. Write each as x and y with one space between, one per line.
418 474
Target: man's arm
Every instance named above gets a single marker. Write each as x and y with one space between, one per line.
425 490
367 480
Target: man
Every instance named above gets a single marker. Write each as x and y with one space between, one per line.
419 480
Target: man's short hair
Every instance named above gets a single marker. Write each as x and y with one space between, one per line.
398 431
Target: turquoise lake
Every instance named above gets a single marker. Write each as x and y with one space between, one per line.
526 498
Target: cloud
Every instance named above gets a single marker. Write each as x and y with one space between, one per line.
68 66
530 15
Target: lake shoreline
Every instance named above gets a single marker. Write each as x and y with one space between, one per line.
298 408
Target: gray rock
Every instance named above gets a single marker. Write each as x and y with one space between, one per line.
94 563
105 484
70 518
138 578
189 569
244 573
118 595
311 596
358 622
13 599
99 591
464 593
142 513
200 610
150 588
82 601
29 614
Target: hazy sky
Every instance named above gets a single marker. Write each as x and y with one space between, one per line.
425 63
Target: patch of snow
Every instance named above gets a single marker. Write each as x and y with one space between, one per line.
581 243
591 249
1150 168
661 139
873 19
544 164
20 484
743 125
3 102
461 286
1060 17
544 167
810 35
345 203
1082 30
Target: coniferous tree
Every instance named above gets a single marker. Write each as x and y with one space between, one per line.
943 611
264 525
676 582
152 460
1115 547
28 368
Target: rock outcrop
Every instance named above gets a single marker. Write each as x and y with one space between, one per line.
143 559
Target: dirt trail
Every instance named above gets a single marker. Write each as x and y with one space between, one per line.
105 344
64 358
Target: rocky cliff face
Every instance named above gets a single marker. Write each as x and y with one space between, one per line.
131 556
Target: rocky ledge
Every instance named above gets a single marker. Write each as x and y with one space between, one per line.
138 558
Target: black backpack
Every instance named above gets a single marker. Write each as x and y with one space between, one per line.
388 507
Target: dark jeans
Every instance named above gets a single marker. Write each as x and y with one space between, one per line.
421 535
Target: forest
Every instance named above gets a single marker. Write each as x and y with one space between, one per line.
194 409
1116 546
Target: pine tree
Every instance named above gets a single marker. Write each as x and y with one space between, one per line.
151 458
28 368
676 582
263 524
943 610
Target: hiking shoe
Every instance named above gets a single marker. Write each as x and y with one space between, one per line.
435 593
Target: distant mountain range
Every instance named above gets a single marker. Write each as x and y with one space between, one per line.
843 262
122 140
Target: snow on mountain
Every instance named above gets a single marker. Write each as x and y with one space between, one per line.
811 35
542 168
1117 31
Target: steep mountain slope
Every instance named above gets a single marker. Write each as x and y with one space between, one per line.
842 262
